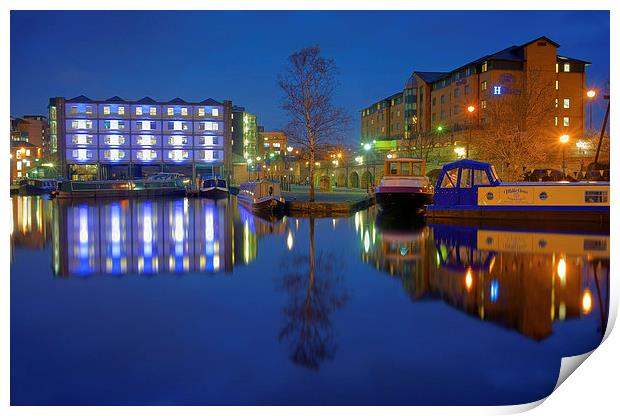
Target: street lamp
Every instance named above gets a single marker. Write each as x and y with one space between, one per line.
564 139
591 94
367 147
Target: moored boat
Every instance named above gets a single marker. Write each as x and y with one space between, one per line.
404 185
261 196
214 188
107 189
468 189
33 186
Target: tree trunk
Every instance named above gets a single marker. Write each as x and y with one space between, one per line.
311 172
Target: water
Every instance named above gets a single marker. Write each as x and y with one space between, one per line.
193 302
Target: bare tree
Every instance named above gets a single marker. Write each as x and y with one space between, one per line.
308 85
515 131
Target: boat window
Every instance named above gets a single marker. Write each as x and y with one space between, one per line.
221 183
449 178
393 168
596 196
405 168
481 177
417 169
465 178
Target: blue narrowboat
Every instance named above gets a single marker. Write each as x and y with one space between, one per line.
468 189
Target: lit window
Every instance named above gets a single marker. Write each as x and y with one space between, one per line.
114 154
89 109
73 110
567 103
19 174
27 152
556 103
146 140
184 111
555 121
557 84
177 140
170 111
146 155
138 111
114 140
557 67
566 67
82 139
153 111
106 109
483 104
121 110
178 154
215 112
201 111
483 85
19 165
484 67
565 122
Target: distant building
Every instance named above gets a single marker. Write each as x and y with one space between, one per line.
32 129
244 134
438 101
24 157
272 142
117 138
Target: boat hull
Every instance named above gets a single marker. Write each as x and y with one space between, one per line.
214 193
34 190
402 199
594 215
270 204
118 193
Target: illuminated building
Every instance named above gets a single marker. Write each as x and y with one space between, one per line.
244 134
24 159
116 138
436 102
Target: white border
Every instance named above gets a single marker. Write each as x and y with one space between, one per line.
591 390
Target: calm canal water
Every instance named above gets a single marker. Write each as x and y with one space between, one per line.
196 302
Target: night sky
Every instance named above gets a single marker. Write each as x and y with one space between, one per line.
237 55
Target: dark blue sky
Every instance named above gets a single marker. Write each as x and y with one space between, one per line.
237 55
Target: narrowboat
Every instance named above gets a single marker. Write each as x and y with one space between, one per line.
404 185
261 196
32 186
468 189
122 188
214 188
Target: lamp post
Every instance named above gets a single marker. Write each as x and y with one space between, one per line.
591 94
563 140
470 110
367 147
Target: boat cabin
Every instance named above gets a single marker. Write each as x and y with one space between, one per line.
459 181
260 189
214 183
404 166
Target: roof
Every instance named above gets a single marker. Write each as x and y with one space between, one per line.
115 98
22 143
210 101
147 100
543 38
79 98
466 163
429 77
144 100
177 100
573 60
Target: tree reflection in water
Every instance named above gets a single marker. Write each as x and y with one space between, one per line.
315 289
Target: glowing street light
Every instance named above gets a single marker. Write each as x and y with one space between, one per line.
591 94
471 108
289 149
564 138
439 129
367 146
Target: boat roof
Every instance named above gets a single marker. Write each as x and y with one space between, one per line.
467 163
406 159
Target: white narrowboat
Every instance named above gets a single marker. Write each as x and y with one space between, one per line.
261 196
404 185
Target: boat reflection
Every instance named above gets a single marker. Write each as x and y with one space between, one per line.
154 236
522 280
30 221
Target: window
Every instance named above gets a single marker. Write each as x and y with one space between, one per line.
184 111
153 111
456 109
557 84
465 178
82 124
89 109
466 88
442 99
483 104
146 140
114 154
449 179
139 125
565 122
106 109
457 92
434 100
27 152
138 111
556 103
201 111
121 110
480 177
567 103
170 111
393 168
484 67
596 196
555 121
178 154
483 85
114 139
557 68
82 139
405 168
443 115
177 140
566 67
73 110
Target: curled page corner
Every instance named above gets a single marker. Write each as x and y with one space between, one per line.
568 365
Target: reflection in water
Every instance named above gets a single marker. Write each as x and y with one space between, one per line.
153 236
30 222
314 284
521 280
